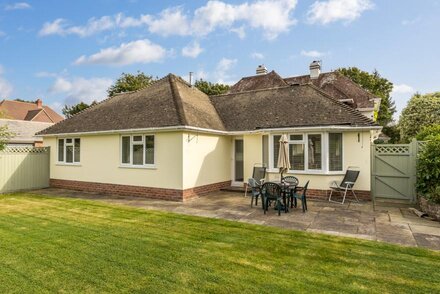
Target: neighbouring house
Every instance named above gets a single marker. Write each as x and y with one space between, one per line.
171 141
333 83
24 119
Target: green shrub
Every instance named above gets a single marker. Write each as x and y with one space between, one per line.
428 170
428 132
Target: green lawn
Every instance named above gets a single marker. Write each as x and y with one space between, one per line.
69 245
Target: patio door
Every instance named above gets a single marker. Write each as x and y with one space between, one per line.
238 165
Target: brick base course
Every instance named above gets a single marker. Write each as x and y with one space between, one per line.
324 194
148 192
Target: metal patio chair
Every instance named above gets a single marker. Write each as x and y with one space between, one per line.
346 185
258 174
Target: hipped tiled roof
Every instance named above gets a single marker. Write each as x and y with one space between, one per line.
171 102
285 107
167 102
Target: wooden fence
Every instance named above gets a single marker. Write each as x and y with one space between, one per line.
24 168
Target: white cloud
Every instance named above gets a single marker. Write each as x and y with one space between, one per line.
140 51
57 27
325 12
81 89
273 17
2 34
192 50
171 21
222 70
409 22
257 55
5 87
241 33
402 89
312 53
18 6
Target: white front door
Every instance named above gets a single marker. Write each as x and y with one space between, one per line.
238 163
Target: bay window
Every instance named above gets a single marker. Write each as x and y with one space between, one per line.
69 150
137 150
310 152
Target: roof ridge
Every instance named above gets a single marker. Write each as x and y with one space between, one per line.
259 90
350 109
177 99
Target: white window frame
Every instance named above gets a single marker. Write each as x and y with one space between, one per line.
65 145
324 153
328 153
143 142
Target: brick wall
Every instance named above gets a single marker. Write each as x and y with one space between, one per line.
148 192
323 194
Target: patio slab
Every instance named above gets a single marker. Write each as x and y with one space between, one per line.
392 224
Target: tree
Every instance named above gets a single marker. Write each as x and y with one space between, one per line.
130 82
22 100
69 111
420 112
211 88
4 134
376 85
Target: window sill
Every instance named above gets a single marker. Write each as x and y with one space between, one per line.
138 166
322 173
68 164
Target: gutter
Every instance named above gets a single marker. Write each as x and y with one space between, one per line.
211 131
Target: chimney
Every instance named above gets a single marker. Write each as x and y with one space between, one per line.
261 70
39 103
315 69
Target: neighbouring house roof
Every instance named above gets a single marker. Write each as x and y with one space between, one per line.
167 102
285 107
28 111
24 131
257 82
338 86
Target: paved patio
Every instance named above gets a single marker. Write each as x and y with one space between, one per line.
391 223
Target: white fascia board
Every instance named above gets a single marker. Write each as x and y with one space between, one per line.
211 131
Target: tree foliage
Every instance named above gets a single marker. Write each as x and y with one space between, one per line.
4 133
22 100
428 133
69 111
420 112
378 86
428 170
211 88
130 82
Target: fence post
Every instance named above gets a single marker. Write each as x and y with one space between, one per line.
413 147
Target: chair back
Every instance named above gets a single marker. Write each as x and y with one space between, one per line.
259 173
350 177
291 180
253 183
271 190
306 186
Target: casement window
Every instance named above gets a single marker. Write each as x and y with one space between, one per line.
335 151
310 152
137 150
69 150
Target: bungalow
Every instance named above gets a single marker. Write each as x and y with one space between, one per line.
171 141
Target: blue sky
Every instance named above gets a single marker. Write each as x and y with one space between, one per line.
67 51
